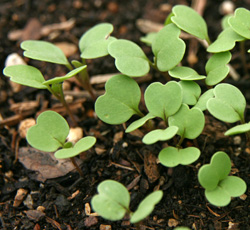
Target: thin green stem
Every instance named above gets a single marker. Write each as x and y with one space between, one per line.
180 142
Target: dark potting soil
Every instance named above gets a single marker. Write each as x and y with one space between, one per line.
123 157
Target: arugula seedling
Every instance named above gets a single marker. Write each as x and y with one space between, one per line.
32 77
113 201
120 101
50 133
185 73
219 187
203 99
228 105
191 92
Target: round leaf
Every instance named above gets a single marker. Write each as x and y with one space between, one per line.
238 129
44 51
191 92
146 206
163 100
229 103
202 102
171 156
49 133
189 121
185 73
168 48
120 101
81 146
25 75
113 200
190 21
129 58
160 135
94 43
240 22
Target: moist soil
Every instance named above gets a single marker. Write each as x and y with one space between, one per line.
63 202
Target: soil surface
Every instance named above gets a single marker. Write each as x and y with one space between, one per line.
55 197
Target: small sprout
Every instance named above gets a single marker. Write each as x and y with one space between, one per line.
243 128
113 201
138 123
217 68
185 73
94 43
228 105
190 21
225 41
182 228
240 22
160 135
171 156
219 187
168 48
191 92
202 101
120 101
149 38
129 58
44 51
172 94
189 121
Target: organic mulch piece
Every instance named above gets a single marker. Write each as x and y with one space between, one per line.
20 195
25 125
90 221
105 227
134 183
151 167
68 48
46 165
35 215
172 222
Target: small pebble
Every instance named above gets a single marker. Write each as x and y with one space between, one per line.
25 125
172 222
227 7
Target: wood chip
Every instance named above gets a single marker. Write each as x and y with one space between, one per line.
172 222
25 125
90 221
105 227
134 183
68 48
35 215
20 195
151 167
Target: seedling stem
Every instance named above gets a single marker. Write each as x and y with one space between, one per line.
76 166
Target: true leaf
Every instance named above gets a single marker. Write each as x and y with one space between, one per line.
228 104
49 133
243 128
94 43
189 121
171 156
163 100
25 75
168 48
120 101
202 101
146 206
191 92
81 146
185 73
44 51
240 22
190 21
113 200
129 58
160 135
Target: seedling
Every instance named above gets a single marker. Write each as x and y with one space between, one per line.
32 77
219 186
113 201
50 133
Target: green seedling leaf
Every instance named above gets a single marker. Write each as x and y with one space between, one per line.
240 22
232 186
190 21
216 68
172 94
113 200
146 206
57 80
182 228
25 75
191 92
168 48
202 102
189 121
238 129
49 133
225 41
81 146
149 38
160 135
44 51
224 21
129 58
94 43
171 156
138 123
120 101
211 174
228 105
185 73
